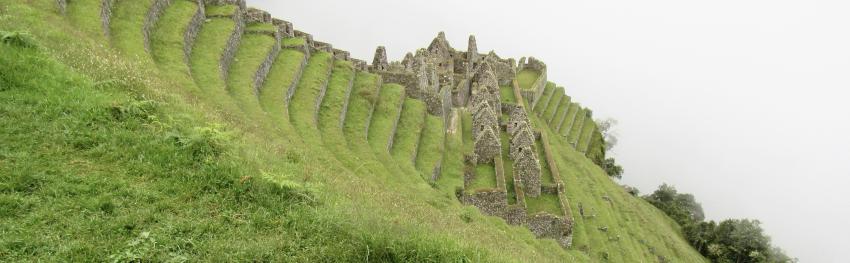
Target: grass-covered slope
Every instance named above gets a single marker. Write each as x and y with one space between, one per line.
108 155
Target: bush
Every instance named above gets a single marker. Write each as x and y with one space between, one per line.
20 39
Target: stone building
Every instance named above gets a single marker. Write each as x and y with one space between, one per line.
526 162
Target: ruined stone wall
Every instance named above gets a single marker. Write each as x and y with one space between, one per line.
253 15
322 46
419 141
229 52
348 89
515 214
307 37
62 6
285 27
500 173
266 66
491 202
151 18
437 172
446 105
460 94
192 31
397 119
341 54
545 225
322 91
292 86
238 3
567 106
372 107
527 167
106 15
408 80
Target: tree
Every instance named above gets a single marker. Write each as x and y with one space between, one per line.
608 135
681 207
612 168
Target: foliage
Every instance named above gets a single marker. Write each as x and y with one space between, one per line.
610 166
681 207
16 38
731 240
609 136
631 190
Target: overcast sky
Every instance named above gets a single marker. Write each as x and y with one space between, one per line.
745 104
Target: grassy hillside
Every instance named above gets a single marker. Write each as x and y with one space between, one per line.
113 152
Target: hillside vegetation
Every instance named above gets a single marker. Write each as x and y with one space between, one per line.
114 149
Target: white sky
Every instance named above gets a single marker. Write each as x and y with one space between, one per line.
743 103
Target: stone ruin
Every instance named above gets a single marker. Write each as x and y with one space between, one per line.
439 75
526 162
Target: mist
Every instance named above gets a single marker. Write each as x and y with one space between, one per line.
742 103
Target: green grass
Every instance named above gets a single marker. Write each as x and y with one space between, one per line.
545 170
561 113
261 27
567 126
363 96
485 178
98 150
283 72
586 134
526 78
548 203
85 16
293 42
508 165
507 94
452 171
167 42
302 108
468 144
577 127
406 139
128 19
544 99
431 145
106 168
220 10
553 105
385 115
206 54
253 50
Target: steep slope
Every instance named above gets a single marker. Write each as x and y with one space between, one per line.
206 130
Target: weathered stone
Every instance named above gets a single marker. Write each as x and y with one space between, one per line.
379 63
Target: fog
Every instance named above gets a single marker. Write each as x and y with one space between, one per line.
742 103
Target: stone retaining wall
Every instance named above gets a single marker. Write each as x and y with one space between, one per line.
106 15
62 6
292 86
265 67
564 116
514 214
397 119
490 202
372 107
322 92
546 102
419 141
151 18
545 225
345 102
233 42
192 31
548 119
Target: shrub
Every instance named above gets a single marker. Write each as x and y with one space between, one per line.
20 39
